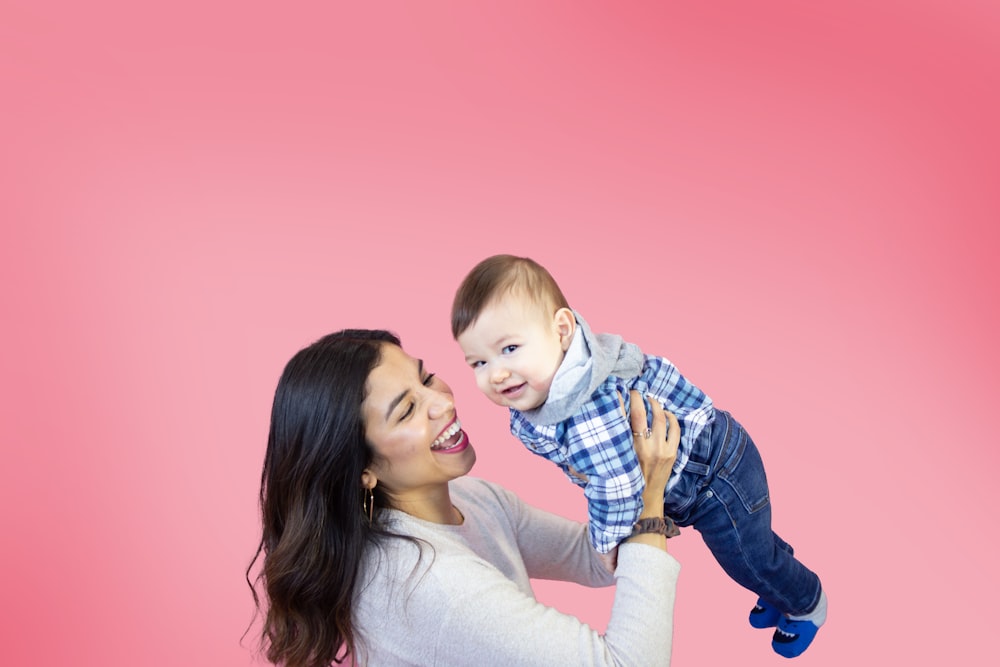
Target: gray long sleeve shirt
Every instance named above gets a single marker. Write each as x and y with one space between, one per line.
464 597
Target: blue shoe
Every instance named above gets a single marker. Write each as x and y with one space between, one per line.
764 615
793 637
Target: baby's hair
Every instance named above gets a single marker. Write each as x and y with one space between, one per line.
499 275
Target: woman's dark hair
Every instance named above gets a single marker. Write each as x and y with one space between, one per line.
315 528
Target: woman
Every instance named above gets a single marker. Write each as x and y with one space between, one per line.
377 547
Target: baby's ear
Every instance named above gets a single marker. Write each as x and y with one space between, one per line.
566 326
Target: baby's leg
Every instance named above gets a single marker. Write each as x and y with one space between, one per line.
733 515
751 553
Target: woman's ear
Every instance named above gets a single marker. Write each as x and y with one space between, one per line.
566 326
368 479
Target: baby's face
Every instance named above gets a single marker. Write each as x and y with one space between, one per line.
514 348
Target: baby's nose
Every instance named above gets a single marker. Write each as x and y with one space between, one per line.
499 374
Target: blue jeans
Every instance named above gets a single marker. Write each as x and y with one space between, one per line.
722 493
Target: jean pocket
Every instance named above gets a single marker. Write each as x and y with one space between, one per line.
744 473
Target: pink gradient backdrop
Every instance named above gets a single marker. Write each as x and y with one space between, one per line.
797 204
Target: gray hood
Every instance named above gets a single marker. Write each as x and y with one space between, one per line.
609 355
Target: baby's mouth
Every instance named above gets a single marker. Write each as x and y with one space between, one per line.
512 390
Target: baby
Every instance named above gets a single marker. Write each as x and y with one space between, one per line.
564 386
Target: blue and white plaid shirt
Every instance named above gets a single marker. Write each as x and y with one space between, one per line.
594 446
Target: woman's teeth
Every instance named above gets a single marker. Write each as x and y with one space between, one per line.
447 435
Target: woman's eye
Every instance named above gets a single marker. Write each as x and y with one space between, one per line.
409 411
428 379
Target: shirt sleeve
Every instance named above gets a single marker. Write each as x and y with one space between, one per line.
662 379
484 619
462 611
598 441
438 598
554 547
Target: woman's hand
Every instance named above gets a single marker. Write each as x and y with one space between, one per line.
656 447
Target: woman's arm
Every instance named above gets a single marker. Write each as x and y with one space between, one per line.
512 628
657 451
465 612
457 608
640 630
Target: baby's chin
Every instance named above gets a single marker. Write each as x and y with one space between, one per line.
520 406
535 404
524 406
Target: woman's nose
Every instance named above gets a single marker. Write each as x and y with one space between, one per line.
440 405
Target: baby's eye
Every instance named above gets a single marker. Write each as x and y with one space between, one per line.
508 349
475 364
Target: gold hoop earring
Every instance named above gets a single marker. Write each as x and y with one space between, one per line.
368 504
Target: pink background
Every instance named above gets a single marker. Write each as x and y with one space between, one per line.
797 204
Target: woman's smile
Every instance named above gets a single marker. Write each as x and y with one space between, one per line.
453 436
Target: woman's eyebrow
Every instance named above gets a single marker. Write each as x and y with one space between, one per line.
394 402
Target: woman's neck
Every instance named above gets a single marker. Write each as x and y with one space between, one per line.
429 504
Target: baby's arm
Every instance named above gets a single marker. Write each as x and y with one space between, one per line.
598 442
677 394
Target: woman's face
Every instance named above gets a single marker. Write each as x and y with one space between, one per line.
411 424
